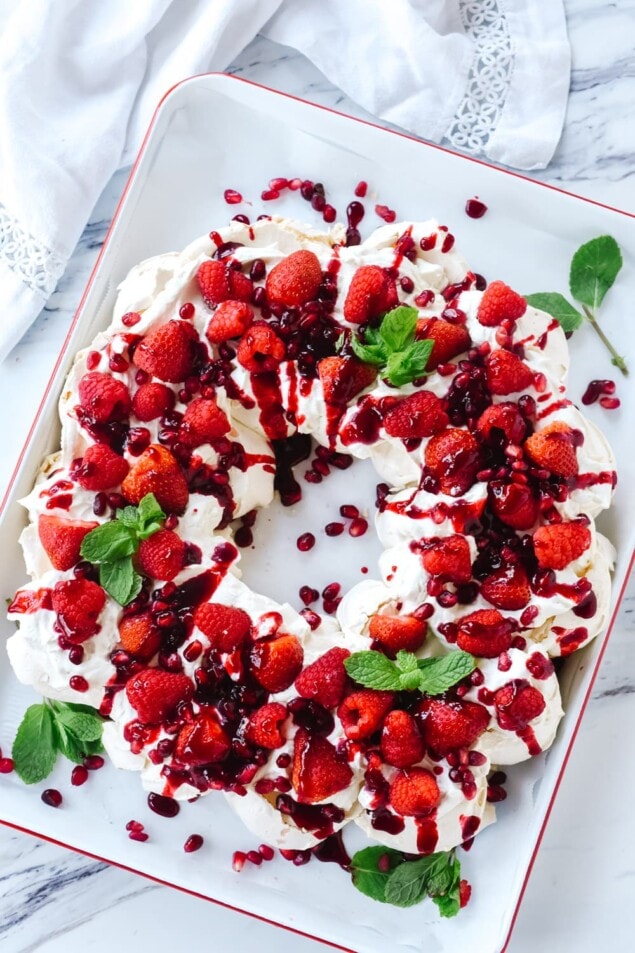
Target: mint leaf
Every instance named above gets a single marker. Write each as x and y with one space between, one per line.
128 516
398 327
68 744
407 883
436 675
120 580
83 727
366 874
594 268
410 364
448 900
406 661
151 516
34 749
374 670
109 541
374 354
568 317
393 346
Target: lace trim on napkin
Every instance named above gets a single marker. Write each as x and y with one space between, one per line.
489 78
33 262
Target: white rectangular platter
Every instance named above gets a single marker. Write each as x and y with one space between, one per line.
214 132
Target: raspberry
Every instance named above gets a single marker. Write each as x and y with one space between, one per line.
553 448
484 633
317 771
295 280
414 793
362 712
371 293
157 471
499 301
154 694
101 468
152 400
276 662
419 415
226 627
401 741
507 588
506 373
230 320
517 703
203 741
103 397
513 503
453 458
325 679
260 349
62 539
139 636
162 555
342 378
449 559
447 725
398 632
78 603
502 420
218 282
449 339
203 422
167 352
465 892
265 726
557 545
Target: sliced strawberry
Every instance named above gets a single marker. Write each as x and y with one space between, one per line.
484 633
499 301
265 726
100 468
226 627
371 292
419 415
453 459
203 422
152 400
414 792
397 632
517 703
507 587
155 694
513 503
502 421
554 449
167 352
260 349
506 373
276 662
62 539
342 378
449 559
295 280
559 544
139 635
401 741
203 741
219 282
362 712
162 555
157 471
103 397
449 339
448 725
230 320
325 679
318 773
78 604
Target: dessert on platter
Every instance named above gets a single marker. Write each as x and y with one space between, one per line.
223 365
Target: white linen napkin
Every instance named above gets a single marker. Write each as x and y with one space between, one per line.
80 80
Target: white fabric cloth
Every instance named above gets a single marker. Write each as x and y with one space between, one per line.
80 80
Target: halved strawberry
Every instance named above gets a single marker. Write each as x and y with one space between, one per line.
517 703
507 587
448 725
230 320
203 741
371 292
318 773
155 694
401 741
100 468
513 503
499 301
554 449
502 421
485 633
342 378
157 471
414 792
276 662
419 415
203 422
62 539
449 339
362 712
559 544
167 352
506 373
294 280
219 282
448 559
78 604
139 635
397 632
265 726
325 679
226 627
162 555
103 397
453 459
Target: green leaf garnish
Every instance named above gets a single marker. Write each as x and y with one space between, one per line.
437 675
51 728
367 874
120 580
555 304
431 676
393 347
386 876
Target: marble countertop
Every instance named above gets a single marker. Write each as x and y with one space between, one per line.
580 893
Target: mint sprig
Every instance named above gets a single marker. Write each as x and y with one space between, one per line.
385 875
594 268
392 346
112 546
431 676
53 728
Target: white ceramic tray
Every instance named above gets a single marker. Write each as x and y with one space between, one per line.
210 133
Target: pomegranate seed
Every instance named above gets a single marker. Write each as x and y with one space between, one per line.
331 591
6 765
79 775
407 284
388 214
329 214
334 529
360 189
134 826
76 654
130 318
258 269
186 311
448 243
318 202
162 805
238 860
269 195
94 762
305 542
52 797
349 512
295 184
266 852
254 857
312 618
140 836
358 526
78 683
194 842
424 298
232 197
610 403
475 208
309 595
383 864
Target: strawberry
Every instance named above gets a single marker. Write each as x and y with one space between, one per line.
449 339
325 679
154 693
507 587
484 633
265 726
499 301
447 725
162 555
401 741
218 282
103 397
101 468
203 741
414 792
513 503
139 636
157 471
502 420
559 544
397 632
78 603
506 373
62 538
226 627
294 280
260 349
371 292
167 352
517 703
203 422
453 458
317 771
449 559
363 711
553 449
419 415
276 662
342 378
230 320
152 400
